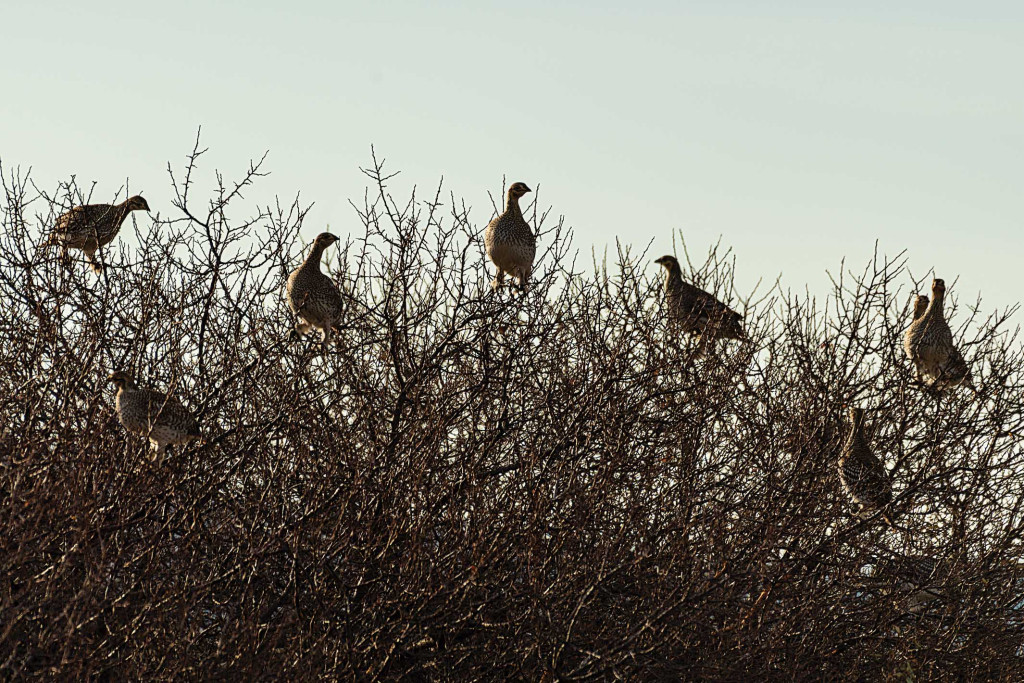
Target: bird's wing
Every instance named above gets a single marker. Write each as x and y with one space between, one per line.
168 410
331 294
83 218
912 339
865 469
702 302
68 221
494 221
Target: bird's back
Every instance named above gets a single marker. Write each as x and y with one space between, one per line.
697 310
863 475
99 221
142 409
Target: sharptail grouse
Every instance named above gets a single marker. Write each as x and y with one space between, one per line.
510 242
160 418
312 295
93 226
929 344
694 310
862 474
920 305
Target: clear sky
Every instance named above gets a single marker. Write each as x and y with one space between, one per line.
799 133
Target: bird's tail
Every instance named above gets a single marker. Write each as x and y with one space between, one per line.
734 329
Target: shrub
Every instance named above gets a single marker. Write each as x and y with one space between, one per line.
473 484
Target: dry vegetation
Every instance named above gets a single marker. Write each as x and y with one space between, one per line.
480 486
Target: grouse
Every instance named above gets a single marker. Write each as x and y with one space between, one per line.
159 417
93 226
510 242
694 310
312 295
861 473
928 343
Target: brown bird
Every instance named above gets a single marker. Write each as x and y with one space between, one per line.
510 242
312 295
159 417
93 226
694 310
862 474
920 305
928 343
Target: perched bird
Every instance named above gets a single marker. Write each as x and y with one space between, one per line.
312 295
510 242
928 343
159 417
696 311
920 305
93 226
862 474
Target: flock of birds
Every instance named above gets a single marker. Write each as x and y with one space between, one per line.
317 303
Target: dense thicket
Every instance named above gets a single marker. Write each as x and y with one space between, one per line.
475 485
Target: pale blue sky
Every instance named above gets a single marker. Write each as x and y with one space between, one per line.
799 133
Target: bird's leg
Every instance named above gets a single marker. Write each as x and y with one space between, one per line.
524 281
703 343
326 338
93 263
301 328
499 279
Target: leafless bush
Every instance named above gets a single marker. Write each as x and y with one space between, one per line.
481 485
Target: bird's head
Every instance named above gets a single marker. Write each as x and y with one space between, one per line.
938 287
324 240
856 415
137 203
121 380
670 263
517 190
920 305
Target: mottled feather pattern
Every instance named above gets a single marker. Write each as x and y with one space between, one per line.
93 226
861 474
143 409
312 295
152 414
928 343
509 240
696 311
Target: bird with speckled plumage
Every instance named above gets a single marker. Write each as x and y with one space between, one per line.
695 311
920 305
510 242
862 474
155 415
928 343
313 296
90 227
